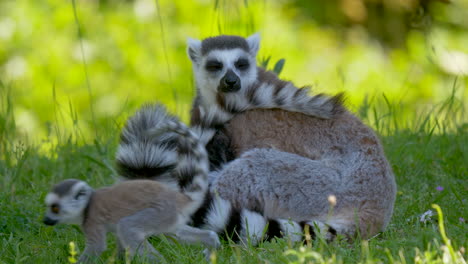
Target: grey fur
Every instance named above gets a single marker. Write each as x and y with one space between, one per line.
339 154
340 157
135 210
156 145
214 213
223 42
64 187
215 104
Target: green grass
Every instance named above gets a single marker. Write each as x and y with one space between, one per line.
102 58
429 152
426 145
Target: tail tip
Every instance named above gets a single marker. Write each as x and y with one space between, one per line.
338 103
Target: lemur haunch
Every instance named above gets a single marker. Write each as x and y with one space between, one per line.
163 157
135 210
286 164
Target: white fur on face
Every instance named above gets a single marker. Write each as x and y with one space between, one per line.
71 204
208 82
51 198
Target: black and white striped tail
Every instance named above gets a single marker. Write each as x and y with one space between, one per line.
156 145
242 225
269 92
272 92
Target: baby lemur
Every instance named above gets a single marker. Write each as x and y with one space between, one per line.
141 208
134 210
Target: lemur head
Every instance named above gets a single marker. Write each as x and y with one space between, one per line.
67 201
224 64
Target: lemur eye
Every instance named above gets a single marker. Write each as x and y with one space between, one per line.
79 194
55 208
213 66
242 64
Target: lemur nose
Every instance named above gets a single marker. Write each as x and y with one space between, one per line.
49 221
230 81
231 78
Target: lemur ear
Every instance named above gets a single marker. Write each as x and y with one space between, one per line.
194 49
254 43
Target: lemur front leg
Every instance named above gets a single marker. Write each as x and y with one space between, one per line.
133 231
193 235
95 244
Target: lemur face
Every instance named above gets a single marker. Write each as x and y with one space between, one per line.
66 202
224 64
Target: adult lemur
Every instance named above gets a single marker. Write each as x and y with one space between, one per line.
287 164
147 151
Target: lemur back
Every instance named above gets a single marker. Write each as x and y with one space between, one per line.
214 213
285 175
339 155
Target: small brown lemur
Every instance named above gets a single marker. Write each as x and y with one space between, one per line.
285 163
134 210
141 208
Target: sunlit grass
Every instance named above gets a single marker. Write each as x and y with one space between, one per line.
430 168
99 60
67 86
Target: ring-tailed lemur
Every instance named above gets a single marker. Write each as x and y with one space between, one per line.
229 82
143 154
286 164
134 210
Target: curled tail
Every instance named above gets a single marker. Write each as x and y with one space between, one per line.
242 225
271 92
285 95
139 154
156 145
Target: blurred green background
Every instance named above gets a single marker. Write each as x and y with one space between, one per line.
80 66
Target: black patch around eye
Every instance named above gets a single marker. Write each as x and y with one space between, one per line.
242 64
213 66
55 208
80 193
